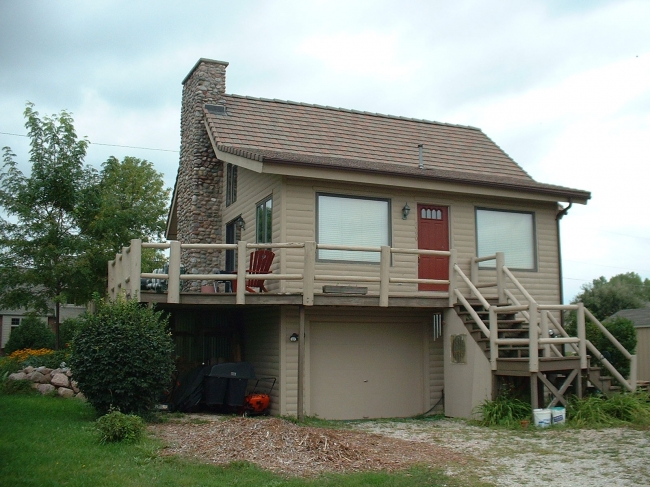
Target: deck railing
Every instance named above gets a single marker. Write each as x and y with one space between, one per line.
541 320
125 272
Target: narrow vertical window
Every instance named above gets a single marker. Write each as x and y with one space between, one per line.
231 184
264 217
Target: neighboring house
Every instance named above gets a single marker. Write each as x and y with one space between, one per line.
641 319
12 319
354 333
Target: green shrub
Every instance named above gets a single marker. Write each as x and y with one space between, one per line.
51 360
122 358
32 333
620 408
116 426
69 328
8 366
505 410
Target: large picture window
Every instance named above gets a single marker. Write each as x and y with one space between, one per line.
346 220
510 232
264 219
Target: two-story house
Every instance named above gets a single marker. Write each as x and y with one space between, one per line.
392 239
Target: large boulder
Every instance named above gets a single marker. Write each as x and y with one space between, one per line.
74 385
60 380
44 370
29 370
36 376
65 392
18 376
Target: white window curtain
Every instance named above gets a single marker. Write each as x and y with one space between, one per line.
512 233
352 221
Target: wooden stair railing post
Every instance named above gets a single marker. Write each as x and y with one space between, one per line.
452 278
494 333
582 336
384 276
242 250
543 328
533 338
501 288
135 267
174 273
308 274
473 273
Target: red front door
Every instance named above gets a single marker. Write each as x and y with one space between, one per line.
433 234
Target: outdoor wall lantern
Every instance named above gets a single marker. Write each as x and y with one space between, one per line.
294 337
405 211
241 223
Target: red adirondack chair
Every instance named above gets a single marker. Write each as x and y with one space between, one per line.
260 263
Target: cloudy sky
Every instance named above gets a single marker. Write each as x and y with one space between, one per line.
563 86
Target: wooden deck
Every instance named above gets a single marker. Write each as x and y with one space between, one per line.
520 366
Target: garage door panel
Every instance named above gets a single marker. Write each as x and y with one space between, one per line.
362 370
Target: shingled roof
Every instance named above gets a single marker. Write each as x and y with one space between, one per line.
299 133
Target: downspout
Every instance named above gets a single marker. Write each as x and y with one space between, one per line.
558 217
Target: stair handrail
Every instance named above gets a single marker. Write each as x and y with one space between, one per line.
472 287
631 385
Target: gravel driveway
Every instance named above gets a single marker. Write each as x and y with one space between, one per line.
558 457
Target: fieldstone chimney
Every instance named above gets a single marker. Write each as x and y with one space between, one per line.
200 175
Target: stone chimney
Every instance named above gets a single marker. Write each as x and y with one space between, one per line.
199 184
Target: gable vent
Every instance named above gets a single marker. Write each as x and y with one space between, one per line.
216 109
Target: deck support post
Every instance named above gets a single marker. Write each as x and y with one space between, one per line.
301 365
534 399
452 278
384 276
533 338
582 335
494 334
501 288
174 272
241 272
135 267
308 273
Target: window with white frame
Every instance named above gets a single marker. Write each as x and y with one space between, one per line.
510 232
231 184
15 322
355 221
264 220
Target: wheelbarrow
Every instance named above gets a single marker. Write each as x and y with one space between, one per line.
257 402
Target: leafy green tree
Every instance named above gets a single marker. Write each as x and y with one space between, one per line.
39 246
65 219
122 357
604 298
32 333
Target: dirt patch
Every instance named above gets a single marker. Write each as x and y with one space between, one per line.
287 448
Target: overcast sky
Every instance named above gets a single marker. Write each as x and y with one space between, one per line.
563 86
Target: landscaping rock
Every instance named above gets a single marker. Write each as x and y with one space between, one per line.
18 376
60 380
36 376
44 370
29 370
45 388
81 397
75 386
65 392
68 373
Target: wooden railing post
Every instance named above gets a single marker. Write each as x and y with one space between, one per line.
135 267
452 278
242 250
543 328
308 273
473 272
174 272
633 372
533 338
384 276
494 334
501 288
582 336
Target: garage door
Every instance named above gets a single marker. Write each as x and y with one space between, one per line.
364 370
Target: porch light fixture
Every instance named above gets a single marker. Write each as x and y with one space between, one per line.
405 211
293 337
240 223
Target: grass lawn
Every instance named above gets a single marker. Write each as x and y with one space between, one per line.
50 441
